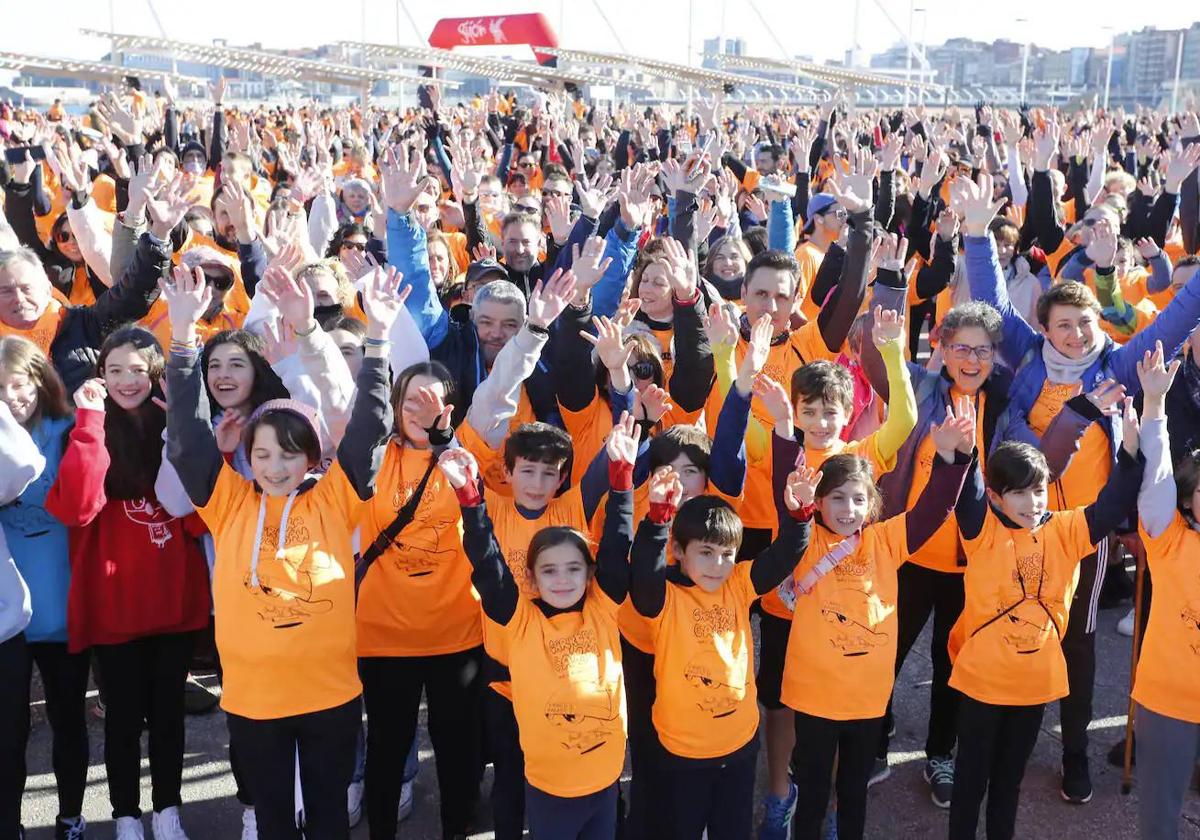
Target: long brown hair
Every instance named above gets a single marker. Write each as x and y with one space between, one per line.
21 356
134 438
844 468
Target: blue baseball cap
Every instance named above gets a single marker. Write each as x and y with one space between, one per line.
819 203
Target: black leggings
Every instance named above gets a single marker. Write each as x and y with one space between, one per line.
143 684
994 745
715 795
1079 649
641 822
819 742
64 681
392 687
508 766
921 592
324 742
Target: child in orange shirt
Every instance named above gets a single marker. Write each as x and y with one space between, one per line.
842 642
1006 647
705 712
562 647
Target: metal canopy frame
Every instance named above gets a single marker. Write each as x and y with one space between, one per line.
90 71
833 76
682 73
257 61
536 75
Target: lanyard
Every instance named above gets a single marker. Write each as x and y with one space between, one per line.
258 533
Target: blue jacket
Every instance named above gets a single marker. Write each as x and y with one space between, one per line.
1022 344
38 541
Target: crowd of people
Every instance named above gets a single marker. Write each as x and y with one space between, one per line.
543 411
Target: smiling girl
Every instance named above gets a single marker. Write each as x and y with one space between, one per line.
138 584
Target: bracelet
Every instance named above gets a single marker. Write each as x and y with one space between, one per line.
309 331
537 329
374 342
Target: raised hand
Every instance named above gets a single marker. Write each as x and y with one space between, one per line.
402 171
891 253
20 173
622 445
978 208
609 343
1107 396
293 298
800 491
651 403
594 194
682 270
188 298
665 488
634 197
167 208
1147 248
558 214
722 326
1102 250
775 398
758 350
228 430
550 298
1130 428
1179 166
429 410
957 431
90 395
889 327
1156 375
279 340
235 201
459 466
889 155
588 263
1045 144
383 298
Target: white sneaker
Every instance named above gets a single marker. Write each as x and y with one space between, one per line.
354 802
249 824
129 828
406 802
165 825
1125 626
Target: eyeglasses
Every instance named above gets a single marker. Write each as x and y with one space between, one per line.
962 352
219 279
527 164
549 193
357 246
837 213
642 370
64 236
529 208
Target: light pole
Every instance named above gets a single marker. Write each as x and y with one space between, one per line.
924 56
1112 39
909 58
1024 23
1178 69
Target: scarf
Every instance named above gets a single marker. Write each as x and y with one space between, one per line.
1064 371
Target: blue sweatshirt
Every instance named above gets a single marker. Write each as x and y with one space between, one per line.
38 541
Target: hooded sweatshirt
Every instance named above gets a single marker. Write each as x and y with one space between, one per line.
20 464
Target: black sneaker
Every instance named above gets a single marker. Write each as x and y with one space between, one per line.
939 774
1076 782
69 829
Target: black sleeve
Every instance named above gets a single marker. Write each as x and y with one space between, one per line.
778 560
683 223
216 148
1189 207
1042 219
612 555
490 576
838 314
170 130
971 508
621 153
736 166
803 193
191 444
920 219
935 276
818 147
1077 178
362 447
1117 499
692 376
885 203
475 229
1159 220
937 500
648 568
129 298
573 369
254 261
829 273
18 209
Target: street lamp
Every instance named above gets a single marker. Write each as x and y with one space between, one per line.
924 58
1112 38
1024 24
909 59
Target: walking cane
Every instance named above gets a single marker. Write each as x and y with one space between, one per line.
1138 587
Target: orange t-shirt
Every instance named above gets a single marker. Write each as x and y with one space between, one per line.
1168 669
1017 658
568 694
810 257
940 552
417 598
706 705
158 322
841 654
814 458
45 330
287 643
1092 464
801 347
491 461
588 429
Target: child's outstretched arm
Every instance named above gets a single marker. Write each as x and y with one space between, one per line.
490 575
1119 495
648 562
955 443
798 490
1158 497
612 555
889 335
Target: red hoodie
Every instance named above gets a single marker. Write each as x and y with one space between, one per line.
135 570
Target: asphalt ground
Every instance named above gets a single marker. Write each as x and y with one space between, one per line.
899 807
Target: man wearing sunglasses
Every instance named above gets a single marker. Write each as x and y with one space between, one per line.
825 226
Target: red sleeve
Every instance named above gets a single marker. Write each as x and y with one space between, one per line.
661 512
194 526
620 475
77 496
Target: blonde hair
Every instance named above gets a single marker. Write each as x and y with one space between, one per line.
21 356
345 286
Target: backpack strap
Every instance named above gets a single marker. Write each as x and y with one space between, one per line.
387 537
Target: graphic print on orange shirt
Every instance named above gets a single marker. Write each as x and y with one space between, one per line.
719 690
286 580
420 550
588 719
